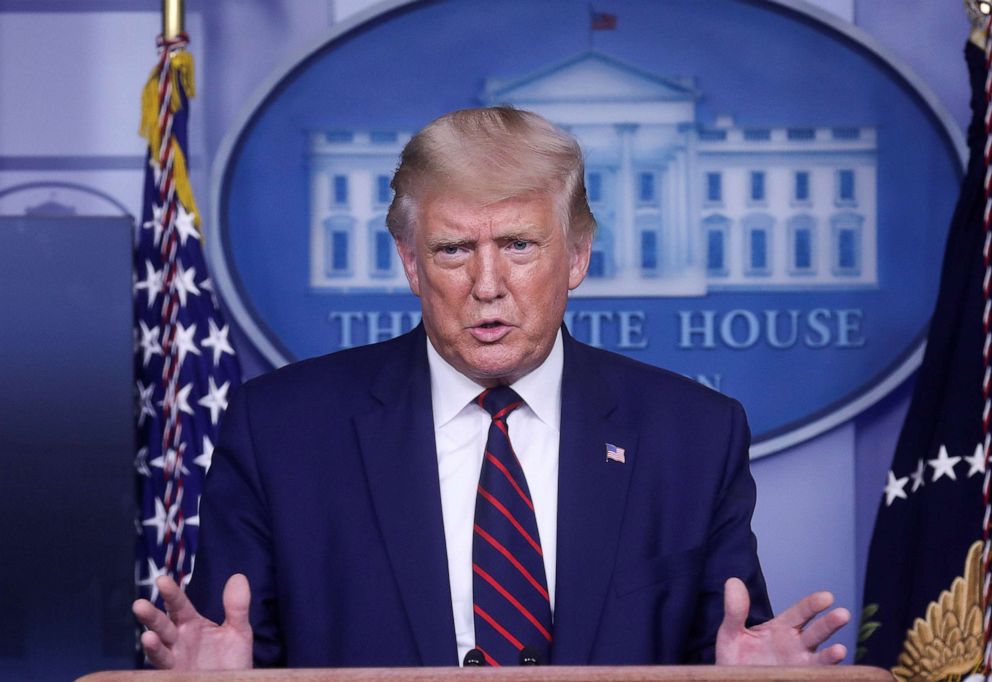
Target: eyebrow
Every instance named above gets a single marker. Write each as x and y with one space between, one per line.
438 242
525 232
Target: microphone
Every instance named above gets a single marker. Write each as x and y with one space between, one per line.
474 659
529 656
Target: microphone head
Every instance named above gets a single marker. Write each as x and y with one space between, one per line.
530 656
474 658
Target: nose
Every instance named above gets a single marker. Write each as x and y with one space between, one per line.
488 282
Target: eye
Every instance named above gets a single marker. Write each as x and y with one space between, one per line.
519 245
450 249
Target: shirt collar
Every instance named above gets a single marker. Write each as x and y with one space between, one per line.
451 390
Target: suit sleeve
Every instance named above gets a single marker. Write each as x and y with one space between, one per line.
236 534
731 546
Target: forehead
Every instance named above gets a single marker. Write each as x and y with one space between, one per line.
453 213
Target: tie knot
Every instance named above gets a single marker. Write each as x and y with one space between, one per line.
500 401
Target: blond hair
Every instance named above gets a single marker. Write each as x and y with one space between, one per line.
488 155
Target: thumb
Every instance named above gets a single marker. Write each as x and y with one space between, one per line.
237 599
736 604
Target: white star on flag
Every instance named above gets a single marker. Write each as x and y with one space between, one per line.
207 285
216 399
976 462
185 284
149 342
195 520
152 283
944 465
167 462
185 226
205 458
155 223
182 399
156 171
141 462
185 342
217 340
145 401
919 476
159 521
895 487
192 565
153 573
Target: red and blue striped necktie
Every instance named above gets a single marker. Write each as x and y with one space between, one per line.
509 587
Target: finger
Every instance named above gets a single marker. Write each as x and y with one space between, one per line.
832 655
155 620
237 600
157 653
736 604
177 604
822 629
800 613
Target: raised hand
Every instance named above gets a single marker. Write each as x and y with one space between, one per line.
788 639
182 639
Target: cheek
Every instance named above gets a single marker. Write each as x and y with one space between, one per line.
443 291
544 295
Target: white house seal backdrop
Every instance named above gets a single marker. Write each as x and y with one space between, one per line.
772 191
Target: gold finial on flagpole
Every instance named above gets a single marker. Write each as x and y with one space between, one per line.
172 18
978 12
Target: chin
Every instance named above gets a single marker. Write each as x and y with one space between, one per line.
497 370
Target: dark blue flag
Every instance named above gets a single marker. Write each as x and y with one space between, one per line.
922 606
184 361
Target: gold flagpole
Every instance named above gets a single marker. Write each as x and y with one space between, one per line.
172 18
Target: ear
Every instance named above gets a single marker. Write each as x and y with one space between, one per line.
581 251
408 254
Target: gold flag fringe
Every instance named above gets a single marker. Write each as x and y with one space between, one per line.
181 65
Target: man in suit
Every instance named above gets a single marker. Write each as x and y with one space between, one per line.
610 522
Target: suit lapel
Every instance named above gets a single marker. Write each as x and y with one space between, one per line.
591 496
397 442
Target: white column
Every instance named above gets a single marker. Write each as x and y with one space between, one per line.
359 196
623 233
683 211
317 212
693 252
670 216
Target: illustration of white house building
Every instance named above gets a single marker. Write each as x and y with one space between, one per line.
682 208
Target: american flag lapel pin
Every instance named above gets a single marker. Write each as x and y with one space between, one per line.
615 454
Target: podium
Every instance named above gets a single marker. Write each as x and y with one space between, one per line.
697 673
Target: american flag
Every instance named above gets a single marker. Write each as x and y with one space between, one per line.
602 21
615 454
185 366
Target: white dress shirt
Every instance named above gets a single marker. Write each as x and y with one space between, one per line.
461 428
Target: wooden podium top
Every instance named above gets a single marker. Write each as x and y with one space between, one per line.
701 673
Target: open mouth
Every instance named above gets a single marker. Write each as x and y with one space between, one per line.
490 331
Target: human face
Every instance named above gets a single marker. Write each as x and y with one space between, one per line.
493 282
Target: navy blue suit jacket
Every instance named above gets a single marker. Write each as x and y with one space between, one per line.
324 491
